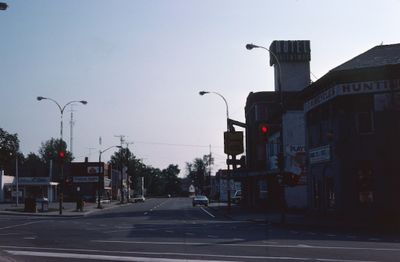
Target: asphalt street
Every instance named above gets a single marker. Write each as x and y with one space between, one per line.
170 229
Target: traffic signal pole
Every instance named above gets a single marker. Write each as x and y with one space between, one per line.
61 189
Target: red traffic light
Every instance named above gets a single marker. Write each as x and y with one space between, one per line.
61 154
264 128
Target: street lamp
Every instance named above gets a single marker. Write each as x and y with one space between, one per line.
98 183
3 6
39 98
281 102
202 93
228 130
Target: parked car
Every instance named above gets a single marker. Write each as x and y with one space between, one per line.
200 200
237 197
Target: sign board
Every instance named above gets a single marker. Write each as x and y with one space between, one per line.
85 179
370 87
14 193
320 154
93 169
233 143
33 180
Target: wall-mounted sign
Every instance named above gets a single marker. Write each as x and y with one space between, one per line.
369 87
320 154
85 179
93 169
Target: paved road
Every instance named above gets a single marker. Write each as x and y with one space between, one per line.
172 230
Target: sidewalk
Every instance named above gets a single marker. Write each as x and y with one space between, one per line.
300 220
69 209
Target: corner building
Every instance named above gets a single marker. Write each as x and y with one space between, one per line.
352 119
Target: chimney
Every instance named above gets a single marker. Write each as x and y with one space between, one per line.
86 159
293 65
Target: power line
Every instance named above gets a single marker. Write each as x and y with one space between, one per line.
172 144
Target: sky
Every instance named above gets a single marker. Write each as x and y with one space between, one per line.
141 64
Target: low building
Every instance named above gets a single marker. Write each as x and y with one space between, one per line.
28 187
85 179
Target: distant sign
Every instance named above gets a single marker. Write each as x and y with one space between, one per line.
233 143
320 154
93 169
85 179
33 180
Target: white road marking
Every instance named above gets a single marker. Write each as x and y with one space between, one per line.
208 213
117 231
212 236
249 245
158 259
20 225
374 239
29 238
101 257
145 213
189 234
7 234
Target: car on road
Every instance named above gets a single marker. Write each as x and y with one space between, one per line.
200 200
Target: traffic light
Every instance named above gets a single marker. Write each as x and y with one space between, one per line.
61 156
263 131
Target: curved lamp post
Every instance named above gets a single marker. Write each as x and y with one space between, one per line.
228 130
62 108
250 47
39 98
202 93
98 183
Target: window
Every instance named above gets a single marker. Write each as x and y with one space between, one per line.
364 122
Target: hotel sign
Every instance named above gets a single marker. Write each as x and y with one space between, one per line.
369 87
320 154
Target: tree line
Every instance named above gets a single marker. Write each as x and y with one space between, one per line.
157 182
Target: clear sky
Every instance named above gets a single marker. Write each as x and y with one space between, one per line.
141 64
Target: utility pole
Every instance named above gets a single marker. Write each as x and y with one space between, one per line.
122 141
71 127
128 184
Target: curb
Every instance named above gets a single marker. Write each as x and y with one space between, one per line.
56 215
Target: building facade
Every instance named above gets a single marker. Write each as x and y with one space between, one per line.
352 126
282 111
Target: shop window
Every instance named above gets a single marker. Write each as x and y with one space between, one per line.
364 122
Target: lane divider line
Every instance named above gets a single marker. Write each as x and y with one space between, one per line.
208 213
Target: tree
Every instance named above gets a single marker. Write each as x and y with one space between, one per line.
9 149
197 171
34 166
49 150
172 183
